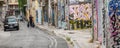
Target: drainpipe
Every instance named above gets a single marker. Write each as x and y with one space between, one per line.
68 14
41 5
49 7
28 8
92 1
55 10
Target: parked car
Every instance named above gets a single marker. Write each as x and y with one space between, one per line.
11 22
20 18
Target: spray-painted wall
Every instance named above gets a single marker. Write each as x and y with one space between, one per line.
80 15
98 21
95 21
81 11
114 14
61 14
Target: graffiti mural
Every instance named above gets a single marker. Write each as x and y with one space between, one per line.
81 11
85 11
74 9
114 13
80 15
95 21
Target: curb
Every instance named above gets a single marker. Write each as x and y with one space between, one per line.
97 44
50 32
53 33
68 42
47 31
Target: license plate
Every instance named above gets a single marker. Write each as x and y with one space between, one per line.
11 26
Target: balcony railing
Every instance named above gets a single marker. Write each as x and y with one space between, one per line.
2 2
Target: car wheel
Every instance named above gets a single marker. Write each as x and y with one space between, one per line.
4 29
17 28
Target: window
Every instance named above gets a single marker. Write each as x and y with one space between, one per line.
11 20
16 1
10 1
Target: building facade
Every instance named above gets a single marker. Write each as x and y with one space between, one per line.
2 2
34 9
13 8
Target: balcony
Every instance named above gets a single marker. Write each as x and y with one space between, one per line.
14 2
2 2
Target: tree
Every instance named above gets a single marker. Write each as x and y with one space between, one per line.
22 3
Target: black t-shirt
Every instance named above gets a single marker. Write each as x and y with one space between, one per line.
30 19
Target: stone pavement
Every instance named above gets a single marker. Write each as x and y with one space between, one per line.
1 24
3 35
78 38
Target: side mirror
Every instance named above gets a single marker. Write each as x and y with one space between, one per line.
3 21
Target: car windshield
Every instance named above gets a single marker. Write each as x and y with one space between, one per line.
19 17
11 20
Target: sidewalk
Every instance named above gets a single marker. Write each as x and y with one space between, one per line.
78 38
1 25
3 35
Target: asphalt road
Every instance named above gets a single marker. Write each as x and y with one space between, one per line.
30 38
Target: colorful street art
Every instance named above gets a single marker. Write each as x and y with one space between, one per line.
95 21
80 15
114 13
100 19
81 11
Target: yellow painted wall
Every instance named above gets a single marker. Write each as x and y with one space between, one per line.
35 6
27 15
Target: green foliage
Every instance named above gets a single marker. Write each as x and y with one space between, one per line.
71 42
68 39
81 24
22 3
72 22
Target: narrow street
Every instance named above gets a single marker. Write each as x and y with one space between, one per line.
31 38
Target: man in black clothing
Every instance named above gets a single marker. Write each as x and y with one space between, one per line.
31 21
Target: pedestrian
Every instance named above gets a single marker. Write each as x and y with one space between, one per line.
28 24
30 20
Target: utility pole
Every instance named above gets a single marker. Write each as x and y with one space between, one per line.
92 2
42 11
28 8
28 4
106 25
68 24
55 12
7 7
49 11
